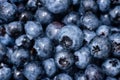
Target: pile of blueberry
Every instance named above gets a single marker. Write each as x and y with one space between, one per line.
59 39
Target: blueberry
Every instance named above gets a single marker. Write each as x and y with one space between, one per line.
83 57
62 76
80 76
18 74
59 48
100 47
50 66
115 14
7 40
19 57
57 6
14 29
53 29
70 37
43 16
89 5
89 21
93 72
111 67
89 35
7 11
3 51
71 18
115 40
104 5
64 59
32 70
103 30
5 72
44 47
115 29
33 29
32 4
23 41
25 16
20 9
105 19
110 78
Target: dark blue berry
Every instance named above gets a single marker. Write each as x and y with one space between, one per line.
32 70
43 16
57 6
100 47
33 29
111 67
83 57
70 37
64 59
93 72
62 76
44 47
50 66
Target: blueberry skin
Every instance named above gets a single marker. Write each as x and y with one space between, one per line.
23 41
19 57
62 76
57 6
89 21
71 18
33 29
83 57
111 67
115 40
105 19
43 16
53 29
3 51
18 74
32 71
32 3
103 30
3 1
70 37
7 40
93 72
59 48
7 11
89 5
100 47
115 15
43 47
64 59
114 30
104 5
14 29
5 72
110 78
75 2
50 66
25 16
89 35
80 76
